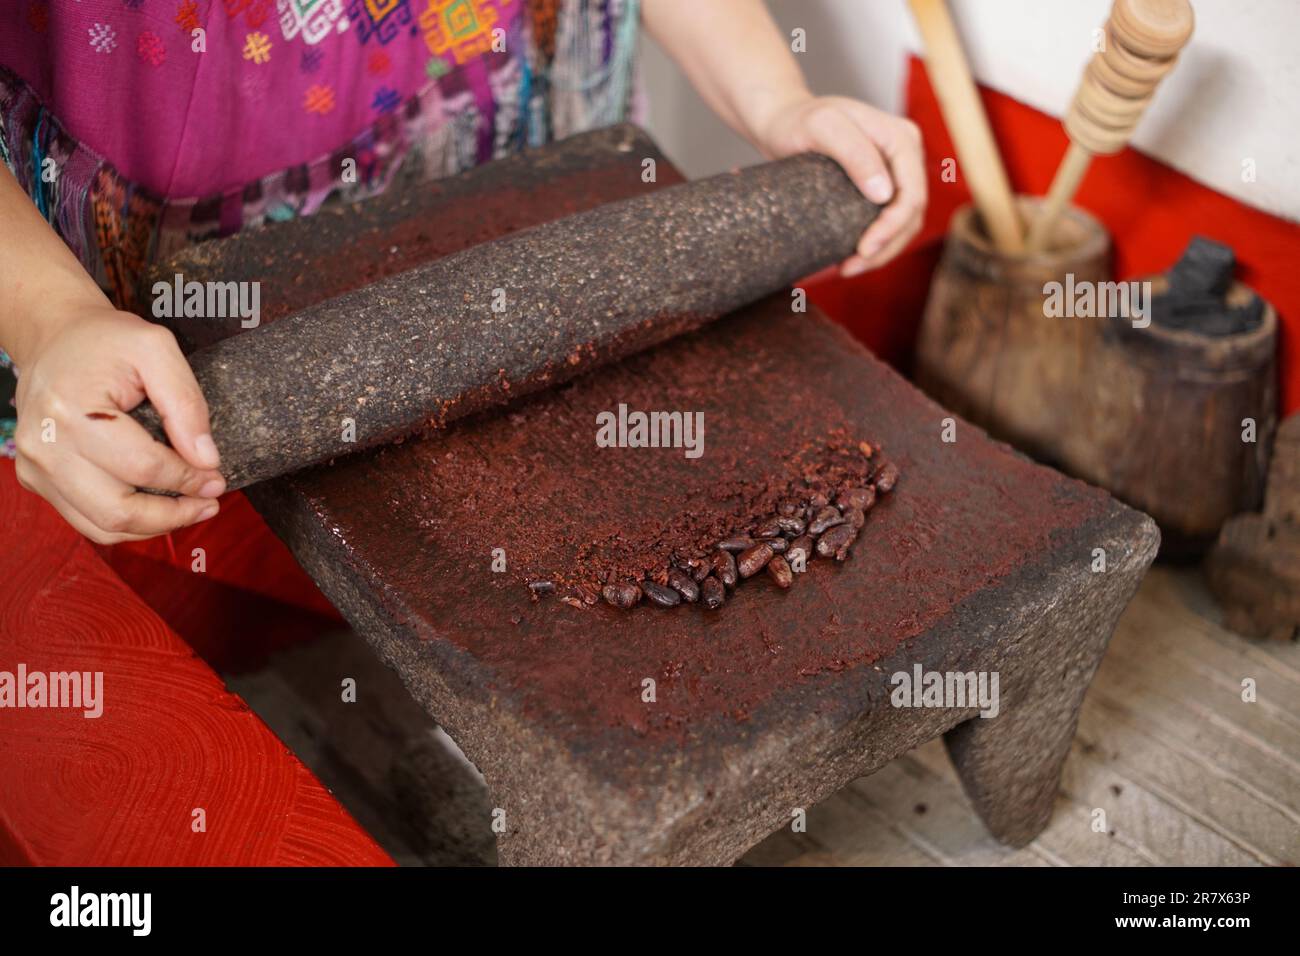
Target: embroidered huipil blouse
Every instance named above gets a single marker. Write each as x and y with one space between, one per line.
140 126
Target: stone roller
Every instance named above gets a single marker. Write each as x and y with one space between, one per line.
499 320
1142 42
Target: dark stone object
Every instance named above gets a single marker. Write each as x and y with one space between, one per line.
507 317
973 563
1205 268
1195 299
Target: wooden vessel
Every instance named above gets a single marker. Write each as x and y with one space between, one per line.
1162 418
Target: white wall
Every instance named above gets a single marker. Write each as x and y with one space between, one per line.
1234 95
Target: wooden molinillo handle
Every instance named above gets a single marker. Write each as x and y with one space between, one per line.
1142 41
963 113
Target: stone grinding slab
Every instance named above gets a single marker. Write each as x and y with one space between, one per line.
504 318
768 704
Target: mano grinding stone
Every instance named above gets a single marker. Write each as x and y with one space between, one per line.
508 317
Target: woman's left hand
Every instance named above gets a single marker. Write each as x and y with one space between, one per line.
881 153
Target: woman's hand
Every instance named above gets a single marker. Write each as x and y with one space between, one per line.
880 152
77 447
754 85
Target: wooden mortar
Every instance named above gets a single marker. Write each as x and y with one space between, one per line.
986 349
1163 415
1153 414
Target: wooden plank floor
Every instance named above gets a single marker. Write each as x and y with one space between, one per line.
1170 765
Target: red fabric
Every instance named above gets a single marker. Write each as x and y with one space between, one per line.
1150 209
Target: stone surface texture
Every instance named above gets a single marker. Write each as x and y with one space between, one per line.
503 318
978 560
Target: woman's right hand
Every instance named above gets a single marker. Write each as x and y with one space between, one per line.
80 451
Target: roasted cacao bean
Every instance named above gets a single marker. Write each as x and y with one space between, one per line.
752 560
778 544
854 517
886 477
827 517
724 566
623 595
768 527
780 571
684 584
860 498
714 593
736 543
792 525
802 545
661 595
836 542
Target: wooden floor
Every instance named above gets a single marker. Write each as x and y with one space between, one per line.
1170 766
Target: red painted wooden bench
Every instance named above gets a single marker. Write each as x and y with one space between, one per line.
123 788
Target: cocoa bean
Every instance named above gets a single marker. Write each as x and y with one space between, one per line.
661 595
768 527
827 517
541 587
724 566
835 542
792 525
886 477
854 517
752 560
804 545
780 572
860 498
684 584
624 594
737 542
714 593
778 545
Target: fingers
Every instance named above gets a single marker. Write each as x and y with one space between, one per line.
899 141
170 385
107 510
118 445
75 518
831 130
890 233
79 449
